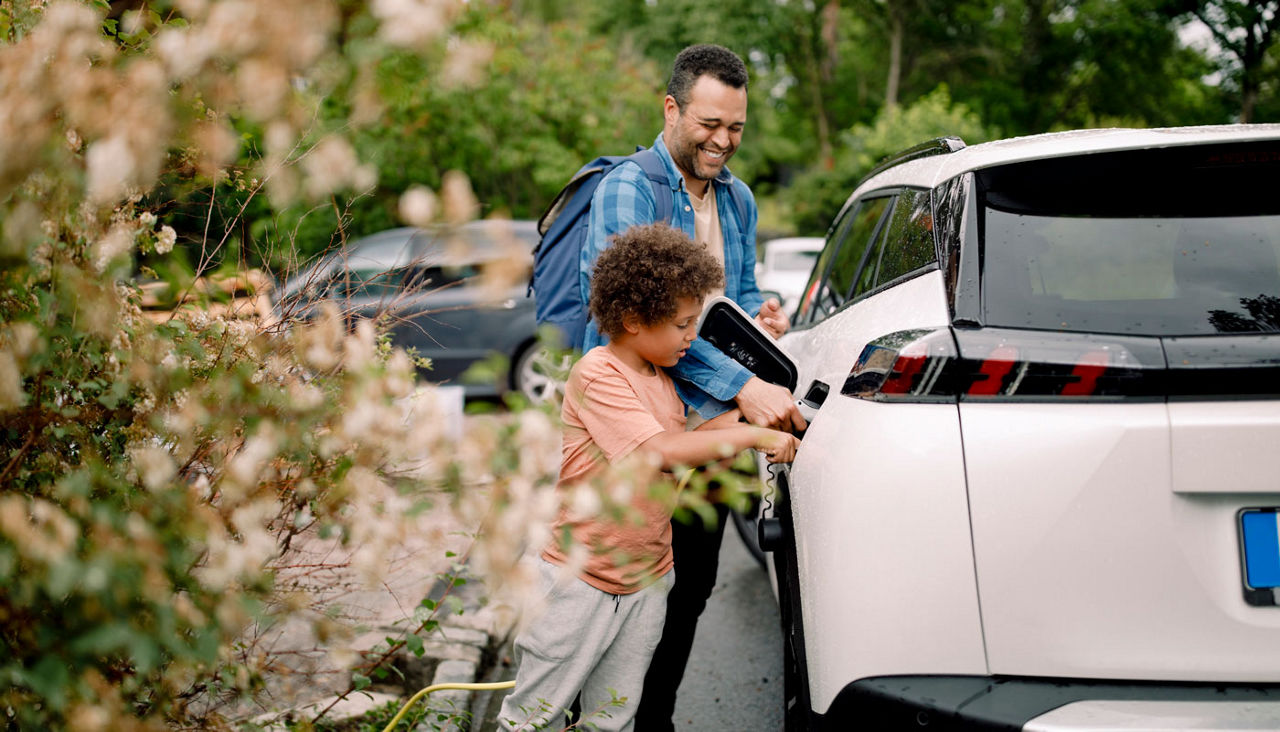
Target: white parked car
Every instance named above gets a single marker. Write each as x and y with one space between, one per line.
785 265
1041 484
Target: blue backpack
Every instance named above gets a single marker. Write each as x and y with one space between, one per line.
555 285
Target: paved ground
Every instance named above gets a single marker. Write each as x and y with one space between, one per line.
734 680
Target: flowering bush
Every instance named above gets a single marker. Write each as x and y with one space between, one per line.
157 479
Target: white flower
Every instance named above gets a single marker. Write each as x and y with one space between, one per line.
247 465
411 23
584 502
11 393
117 242
332 165
155 467
147 219
24 338
111 167
165 239
465 63
418 206
460 203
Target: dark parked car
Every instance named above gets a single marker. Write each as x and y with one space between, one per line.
428 283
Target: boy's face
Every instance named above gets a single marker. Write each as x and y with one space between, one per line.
665 343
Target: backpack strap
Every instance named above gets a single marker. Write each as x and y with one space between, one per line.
652 166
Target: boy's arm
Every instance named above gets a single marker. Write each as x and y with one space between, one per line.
703 446
730 418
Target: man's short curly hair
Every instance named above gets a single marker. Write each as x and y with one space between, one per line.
643 274
704 59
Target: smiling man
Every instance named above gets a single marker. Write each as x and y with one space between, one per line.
704 114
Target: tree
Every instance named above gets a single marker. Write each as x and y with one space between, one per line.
1245 31
817 196
1031 66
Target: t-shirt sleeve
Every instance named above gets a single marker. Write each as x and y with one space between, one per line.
615 417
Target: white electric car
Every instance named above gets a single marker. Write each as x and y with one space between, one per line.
1041 484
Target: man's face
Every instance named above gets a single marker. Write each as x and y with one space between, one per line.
705 134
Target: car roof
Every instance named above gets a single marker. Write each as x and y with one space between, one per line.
927 172
474 242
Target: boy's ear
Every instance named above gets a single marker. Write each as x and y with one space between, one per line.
631 324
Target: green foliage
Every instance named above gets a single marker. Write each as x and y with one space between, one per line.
564 82
1245 35
816 197
160 470
543 101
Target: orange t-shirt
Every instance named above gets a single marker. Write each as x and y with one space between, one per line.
609 410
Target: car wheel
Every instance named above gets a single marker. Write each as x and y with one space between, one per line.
540 374
795 683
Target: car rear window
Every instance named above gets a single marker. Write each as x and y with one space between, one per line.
1157 242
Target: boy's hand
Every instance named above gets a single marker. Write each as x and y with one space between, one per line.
771 317
778 447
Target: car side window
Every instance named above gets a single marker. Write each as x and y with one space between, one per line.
808 301
387 284
846 253
907 243
866 230
344 282
425 278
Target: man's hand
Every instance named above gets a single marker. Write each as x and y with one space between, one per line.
771 317
769 405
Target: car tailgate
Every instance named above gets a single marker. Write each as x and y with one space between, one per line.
1106 539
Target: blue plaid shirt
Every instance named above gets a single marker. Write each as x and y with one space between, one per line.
706 379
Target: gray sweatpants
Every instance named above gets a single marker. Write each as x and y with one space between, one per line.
586 640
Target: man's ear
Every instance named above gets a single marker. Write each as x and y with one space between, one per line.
670 110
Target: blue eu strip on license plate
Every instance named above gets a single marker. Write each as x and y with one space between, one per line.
1260 551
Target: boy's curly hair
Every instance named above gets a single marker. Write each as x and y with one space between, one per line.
645 271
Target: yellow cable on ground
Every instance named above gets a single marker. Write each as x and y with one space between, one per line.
486 686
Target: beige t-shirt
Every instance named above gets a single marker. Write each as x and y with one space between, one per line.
706 228
609 410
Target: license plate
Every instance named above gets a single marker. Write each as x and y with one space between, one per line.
1260 555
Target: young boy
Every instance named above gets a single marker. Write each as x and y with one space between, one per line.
598 630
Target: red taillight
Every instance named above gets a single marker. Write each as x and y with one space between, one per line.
905 370
995 367
1091 365
990 364
904 364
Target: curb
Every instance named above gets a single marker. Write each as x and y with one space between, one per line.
460 650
